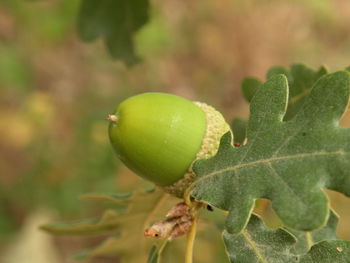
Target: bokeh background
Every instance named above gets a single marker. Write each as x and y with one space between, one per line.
55 92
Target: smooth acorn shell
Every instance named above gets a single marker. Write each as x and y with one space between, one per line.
158 135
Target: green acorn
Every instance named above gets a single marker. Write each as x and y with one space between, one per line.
159 136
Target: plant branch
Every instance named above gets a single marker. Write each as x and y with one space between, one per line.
190 242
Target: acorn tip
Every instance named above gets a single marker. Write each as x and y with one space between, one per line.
112 118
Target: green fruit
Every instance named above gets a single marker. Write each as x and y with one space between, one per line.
159 136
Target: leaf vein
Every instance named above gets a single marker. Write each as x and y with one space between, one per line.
264 161
254 247
300 96
285 142
274 172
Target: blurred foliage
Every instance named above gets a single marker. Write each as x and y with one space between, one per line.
124 225
116 22
53 145
55 91
127 224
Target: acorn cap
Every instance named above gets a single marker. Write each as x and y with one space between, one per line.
216 127
160 135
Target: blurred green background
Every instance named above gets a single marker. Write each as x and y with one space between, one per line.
55 92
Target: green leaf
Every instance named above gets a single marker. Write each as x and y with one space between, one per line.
127 227
259 244
116 21
108 222
153 255
336 251
288 162
239 127
123 198
277 70
82 255
307 239
249 86
300 80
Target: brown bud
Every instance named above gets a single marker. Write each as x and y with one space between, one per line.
181 229
179 209
160 229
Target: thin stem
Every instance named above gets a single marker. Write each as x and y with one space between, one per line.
161 248
187 198
309 240
190 242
